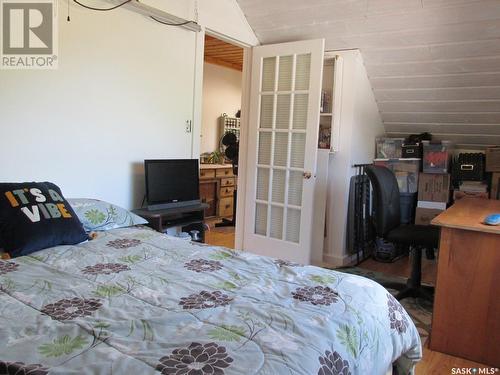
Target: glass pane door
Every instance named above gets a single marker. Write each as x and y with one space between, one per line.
281 146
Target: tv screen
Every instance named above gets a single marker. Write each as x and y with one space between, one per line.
171 183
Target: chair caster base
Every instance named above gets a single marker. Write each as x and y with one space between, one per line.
424 292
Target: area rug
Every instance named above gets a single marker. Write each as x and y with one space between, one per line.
420 310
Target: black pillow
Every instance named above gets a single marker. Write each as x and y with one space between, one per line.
35 216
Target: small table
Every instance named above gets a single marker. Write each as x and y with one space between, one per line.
466 317
188 218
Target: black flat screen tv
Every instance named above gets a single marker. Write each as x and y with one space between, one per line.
172 183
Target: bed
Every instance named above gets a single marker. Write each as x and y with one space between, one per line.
135 301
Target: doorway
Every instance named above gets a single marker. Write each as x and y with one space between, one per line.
221 114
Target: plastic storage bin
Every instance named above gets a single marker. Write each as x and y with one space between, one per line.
468 167
389 148
412 151
436 157
405 170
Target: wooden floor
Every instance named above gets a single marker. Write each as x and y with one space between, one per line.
402 268
222 236
432 363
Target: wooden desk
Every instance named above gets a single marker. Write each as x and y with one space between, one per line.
217 186
466 317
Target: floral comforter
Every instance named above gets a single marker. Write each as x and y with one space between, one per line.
134 301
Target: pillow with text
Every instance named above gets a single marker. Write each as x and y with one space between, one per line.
35 216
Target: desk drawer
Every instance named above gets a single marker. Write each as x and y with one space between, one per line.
207 173
226 207
225 172
227 181
227 191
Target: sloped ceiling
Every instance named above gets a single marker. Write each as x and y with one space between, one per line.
434 65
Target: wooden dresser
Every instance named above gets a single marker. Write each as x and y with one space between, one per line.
466 318
217 184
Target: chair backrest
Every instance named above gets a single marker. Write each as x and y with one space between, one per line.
385 199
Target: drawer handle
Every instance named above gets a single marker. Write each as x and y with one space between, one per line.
228 205
467 167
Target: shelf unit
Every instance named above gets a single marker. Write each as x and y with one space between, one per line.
229 125
329 123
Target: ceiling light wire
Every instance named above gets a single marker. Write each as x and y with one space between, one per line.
103 9
128 1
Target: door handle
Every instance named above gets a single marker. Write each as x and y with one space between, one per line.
307 175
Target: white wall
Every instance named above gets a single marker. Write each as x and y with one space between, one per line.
226 16
360 125
122 93
221 94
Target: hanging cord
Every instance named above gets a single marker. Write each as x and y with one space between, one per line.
171 24
68 19
122 4
102 9
196 16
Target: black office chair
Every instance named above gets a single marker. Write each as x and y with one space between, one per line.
388 226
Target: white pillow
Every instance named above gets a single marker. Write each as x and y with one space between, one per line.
97 215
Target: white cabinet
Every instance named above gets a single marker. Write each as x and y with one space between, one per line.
356 122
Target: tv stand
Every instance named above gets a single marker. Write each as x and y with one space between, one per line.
187 217
168 206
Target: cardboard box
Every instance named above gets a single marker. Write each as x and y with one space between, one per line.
457 194
493 159
495 186
424 216
434 187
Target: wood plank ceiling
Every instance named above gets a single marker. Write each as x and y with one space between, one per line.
222 53
434 65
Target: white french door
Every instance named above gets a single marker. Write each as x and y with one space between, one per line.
282 149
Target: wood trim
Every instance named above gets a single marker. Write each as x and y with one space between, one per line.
221 53
220 62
